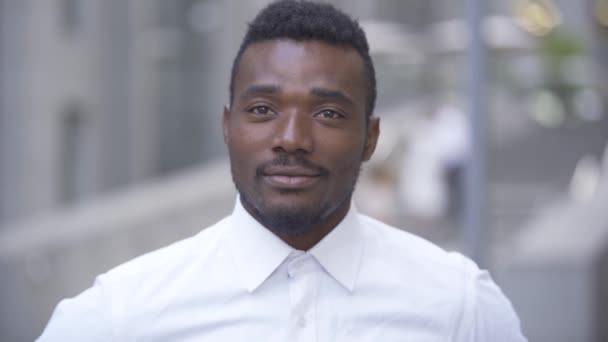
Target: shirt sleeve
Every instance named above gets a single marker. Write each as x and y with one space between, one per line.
487 313
86 317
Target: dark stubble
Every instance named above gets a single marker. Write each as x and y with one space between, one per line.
286 220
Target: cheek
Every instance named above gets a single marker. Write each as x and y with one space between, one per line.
243 143
345 157
246 150
239 157
250 136
349 168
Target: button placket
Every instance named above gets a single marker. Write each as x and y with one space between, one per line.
303 290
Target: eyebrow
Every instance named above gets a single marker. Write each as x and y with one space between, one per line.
331 94
260 89
316 91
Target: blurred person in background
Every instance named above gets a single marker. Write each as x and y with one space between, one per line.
431 186
295 261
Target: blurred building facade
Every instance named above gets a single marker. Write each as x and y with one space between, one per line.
102 97
97 95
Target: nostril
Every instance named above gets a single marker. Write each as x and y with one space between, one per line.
279 149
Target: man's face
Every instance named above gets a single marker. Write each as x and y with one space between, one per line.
297 132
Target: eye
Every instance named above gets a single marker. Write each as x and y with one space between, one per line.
329 114
260 110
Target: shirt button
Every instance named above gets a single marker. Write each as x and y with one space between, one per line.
302 322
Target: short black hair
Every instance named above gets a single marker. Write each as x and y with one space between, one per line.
305 20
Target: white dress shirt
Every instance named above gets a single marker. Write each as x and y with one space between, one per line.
236 281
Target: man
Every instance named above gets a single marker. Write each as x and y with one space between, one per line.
294 261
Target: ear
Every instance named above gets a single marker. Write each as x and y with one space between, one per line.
225 122
373 131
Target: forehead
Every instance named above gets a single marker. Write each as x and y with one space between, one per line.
302 64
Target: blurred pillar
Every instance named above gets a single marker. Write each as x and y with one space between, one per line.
13 22
115 49
475 172
599 12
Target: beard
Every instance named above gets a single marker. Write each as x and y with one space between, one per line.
285 220
291 220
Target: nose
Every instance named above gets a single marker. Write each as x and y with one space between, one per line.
293 134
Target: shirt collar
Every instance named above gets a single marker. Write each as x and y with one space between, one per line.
257 252
341 251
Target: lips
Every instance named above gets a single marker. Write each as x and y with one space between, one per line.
291 177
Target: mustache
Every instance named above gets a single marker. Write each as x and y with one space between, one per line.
291 161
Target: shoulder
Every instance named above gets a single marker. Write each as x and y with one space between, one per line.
163 271
480 310
487 314
413 264
137 284
403 248
175 255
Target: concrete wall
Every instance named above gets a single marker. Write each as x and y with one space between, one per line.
555 272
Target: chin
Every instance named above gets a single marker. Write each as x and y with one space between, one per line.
291 219
285 216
